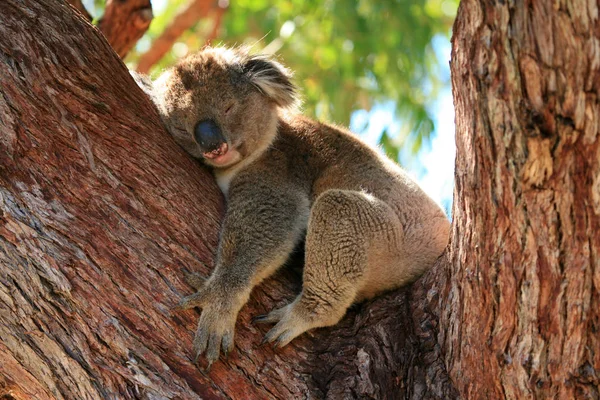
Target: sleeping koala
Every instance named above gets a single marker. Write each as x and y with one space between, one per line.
368 227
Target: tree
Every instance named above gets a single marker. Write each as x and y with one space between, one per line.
520 309
101 215
185 20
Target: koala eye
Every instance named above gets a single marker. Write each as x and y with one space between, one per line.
229 108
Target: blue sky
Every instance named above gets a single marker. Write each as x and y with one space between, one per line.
438 158
433 166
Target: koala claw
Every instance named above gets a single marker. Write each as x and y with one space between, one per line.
227 344
213 348
260 319
288 325
195 280
272 317
195 300
281 334
200 342
215 333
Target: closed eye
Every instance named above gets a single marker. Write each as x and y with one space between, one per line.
180 130
229 108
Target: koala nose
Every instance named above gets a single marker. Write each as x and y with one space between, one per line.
208 135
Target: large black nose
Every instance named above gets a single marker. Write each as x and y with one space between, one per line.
208 135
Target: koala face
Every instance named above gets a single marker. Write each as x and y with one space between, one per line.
222 105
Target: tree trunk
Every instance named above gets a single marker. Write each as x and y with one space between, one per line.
101 215
520 307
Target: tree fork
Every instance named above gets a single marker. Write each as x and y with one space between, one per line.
95 241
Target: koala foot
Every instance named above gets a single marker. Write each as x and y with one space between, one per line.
290 321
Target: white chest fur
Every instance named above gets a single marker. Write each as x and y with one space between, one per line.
224 179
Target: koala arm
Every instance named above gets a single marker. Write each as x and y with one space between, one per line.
263 223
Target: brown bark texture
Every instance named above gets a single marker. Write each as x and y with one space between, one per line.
102 214
520 302
184 20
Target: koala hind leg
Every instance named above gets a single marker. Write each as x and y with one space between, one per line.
346 229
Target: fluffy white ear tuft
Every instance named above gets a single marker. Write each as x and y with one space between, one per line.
272 79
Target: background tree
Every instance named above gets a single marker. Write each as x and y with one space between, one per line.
520 309
123 22
95 241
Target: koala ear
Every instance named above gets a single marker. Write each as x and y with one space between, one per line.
272 79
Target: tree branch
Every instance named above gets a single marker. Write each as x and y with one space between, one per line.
125 22
78 4
184 20
217 20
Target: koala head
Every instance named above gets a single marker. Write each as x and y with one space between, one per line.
222 105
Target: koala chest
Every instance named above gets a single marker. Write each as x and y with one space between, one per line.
224 179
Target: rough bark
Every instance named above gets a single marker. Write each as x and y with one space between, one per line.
520 307
101 215
184 20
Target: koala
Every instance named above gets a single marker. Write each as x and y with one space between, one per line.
367 226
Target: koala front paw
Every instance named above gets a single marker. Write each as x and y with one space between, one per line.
195 280
216 326
215 332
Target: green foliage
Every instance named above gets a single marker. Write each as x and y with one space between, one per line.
346 54
389 146
95 8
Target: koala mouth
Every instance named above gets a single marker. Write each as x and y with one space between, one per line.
218 152
221 156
